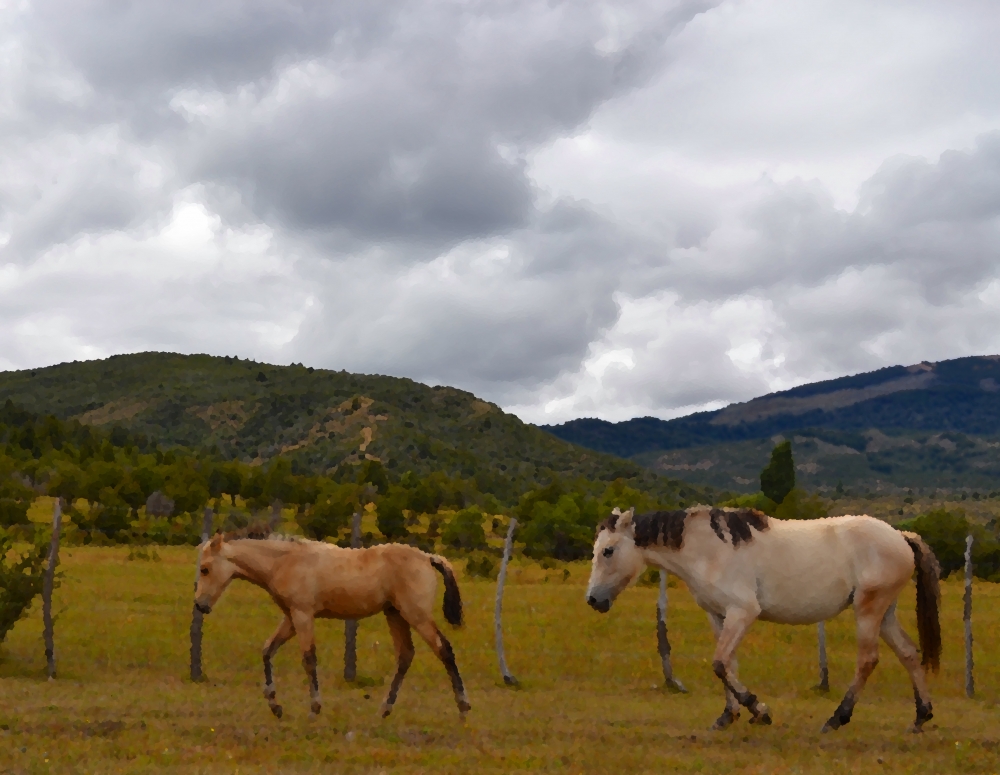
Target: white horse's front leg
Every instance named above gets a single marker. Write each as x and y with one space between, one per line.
731 712
734 627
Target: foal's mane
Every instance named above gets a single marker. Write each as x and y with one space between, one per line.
666 528
259 532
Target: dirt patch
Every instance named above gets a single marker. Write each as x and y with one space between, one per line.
113 411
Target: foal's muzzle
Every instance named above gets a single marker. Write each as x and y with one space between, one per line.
599 605
203 608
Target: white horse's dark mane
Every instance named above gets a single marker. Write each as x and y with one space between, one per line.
666 528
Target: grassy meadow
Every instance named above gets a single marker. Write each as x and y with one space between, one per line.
590 699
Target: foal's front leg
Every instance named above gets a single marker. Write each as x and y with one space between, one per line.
734 627
304 628
271 646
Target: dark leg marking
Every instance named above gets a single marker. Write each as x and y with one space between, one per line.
925 711
309 663
745 698
726 719
269 692
842 715
448 657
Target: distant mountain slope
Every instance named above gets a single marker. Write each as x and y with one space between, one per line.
318 418
942 415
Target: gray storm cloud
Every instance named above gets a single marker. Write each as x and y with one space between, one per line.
569 208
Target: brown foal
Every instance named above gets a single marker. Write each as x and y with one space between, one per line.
309 579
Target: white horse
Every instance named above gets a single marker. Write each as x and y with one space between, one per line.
741 566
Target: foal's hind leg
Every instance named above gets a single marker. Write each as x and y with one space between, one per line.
906 651
442 648
869 609
734 627
304 628
271 646
403 642
732 710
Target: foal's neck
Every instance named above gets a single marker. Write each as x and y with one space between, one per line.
255 558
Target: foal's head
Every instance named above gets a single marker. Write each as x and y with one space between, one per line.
215 572
617 561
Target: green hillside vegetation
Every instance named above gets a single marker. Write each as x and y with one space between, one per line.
317 420
123 487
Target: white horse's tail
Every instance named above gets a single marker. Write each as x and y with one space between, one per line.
928 600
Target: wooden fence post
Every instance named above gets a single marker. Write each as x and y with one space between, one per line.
824 671
196 616
970 685
48 584
662 643
508 679
351 625
275 520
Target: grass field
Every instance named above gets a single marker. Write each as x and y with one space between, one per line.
590 700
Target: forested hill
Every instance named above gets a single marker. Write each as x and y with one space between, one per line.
901 424
958 395
315 418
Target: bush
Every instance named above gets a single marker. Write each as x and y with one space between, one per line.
465 530
798 504
13 512
945 533
332 511
390 519
558 530
20 580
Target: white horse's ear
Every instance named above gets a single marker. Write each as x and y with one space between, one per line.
617 512
625 520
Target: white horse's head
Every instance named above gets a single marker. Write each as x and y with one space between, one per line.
617 560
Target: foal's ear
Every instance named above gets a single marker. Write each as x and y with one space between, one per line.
216 542
625 520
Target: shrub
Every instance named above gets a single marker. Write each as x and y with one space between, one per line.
798 504
13 512
558 530
20 580
465 530
945 532
390 519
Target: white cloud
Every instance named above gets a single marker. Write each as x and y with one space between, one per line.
570 208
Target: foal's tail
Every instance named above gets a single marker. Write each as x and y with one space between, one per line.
452 597
928 601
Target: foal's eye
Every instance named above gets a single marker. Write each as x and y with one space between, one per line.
609 551
204 571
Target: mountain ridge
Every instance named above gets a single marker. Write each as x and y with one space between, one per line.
919 402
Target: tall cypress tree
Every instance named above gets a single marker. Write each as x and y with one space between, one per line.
778 477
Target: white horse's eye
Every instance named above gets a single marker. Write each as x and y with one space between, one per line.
609 551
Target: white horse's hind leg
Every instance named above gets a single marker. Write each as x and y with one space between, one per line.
869 611
734 627
732 710
906 651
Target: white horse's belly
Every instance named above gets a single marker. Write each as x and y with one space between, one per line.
802 598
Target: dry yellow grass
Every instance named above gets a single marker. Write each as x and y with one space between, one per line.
588 702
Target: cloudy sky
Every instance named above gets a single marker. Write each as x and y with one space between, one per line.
570 208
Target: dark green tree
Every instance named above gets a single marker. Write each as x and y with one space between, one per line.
778 477
465 530
391 520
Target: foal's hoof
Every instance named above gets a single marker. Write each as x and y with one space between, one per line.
725 720
763 718
830 726
464 707
917 728
315 708
276 710
385 710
